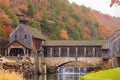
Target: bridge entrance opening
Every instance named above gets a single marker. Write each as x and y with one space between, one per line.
75 64
118 61
16 51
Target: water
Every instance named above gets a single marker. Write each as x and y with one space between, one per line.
59 77
72 70
65 73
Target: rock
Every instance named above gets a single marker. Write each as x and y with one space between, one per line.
25 68
1 60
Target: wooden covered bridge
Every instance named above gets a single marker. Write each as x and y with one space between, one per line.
25 40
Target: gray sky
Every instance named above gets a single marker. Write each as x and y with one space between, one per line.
100 5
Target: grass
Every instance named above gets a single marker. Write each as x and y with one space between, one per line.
112 74
10 76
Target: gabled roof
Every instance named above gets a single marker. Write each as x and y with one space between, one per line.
34 32
114 32
102 43
23 44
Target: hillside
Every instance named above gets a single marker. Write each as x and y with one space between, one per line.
56 19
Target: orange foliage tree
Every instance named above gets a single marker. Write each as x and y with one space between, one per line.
4 18
64 34
87 34
87 30
114 2
5 2
104 30
7 29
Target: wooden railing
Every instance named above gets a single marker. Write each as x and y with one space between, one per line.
105 55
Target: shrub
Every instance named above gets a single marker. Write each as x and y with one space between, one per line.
10 76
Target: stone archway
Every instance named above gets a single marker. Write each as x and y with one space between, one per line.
76 64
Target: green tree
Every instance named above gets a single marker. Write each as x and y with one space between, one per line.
3 40
15 20
31 8
36 24
12 15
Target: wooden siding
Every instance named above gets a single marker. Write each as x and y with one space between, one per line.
37 44
114 43
24 35
21 34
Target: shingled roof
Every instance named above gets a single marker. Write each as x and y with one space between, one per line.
35 33
102 43
23 44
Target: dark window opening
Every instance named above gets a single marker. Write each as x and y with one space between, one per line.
25 36
16 51
15 36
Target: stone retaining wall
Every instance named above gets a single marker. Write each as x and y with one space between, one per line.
55 61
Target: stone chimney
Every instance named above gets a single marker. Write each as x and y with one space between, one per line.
22 19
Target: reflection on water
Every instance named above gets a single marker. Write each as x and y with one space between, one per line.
68 77
64 73
59 77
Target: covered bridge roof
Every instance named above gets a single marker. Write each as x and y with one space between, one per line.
102 43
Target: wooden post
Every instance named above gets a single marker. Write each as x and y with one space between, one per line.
68 52
51 52
37 63
59 52
76 56
5 52
76 51
24 52
93 51
8 51
43 64
44 68
84 51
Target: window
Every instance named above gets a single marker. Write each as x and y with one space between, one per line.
15 36
63 51
89 51
72 51
55 52
81 52
25 36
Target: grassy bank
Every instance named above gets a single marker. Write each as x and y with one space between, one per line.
112 74
9 76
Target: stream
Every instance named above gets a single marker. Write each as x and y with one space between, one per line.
65 73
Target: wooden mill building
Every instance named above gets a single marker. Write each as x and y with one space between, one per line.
26 40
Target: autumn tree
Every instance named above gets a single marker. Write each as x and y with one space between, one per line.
114 2
7 30
104 30
87 34
5 2
64 34
4 18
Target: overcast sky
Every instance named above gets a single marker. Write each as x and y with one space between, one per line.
100 5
